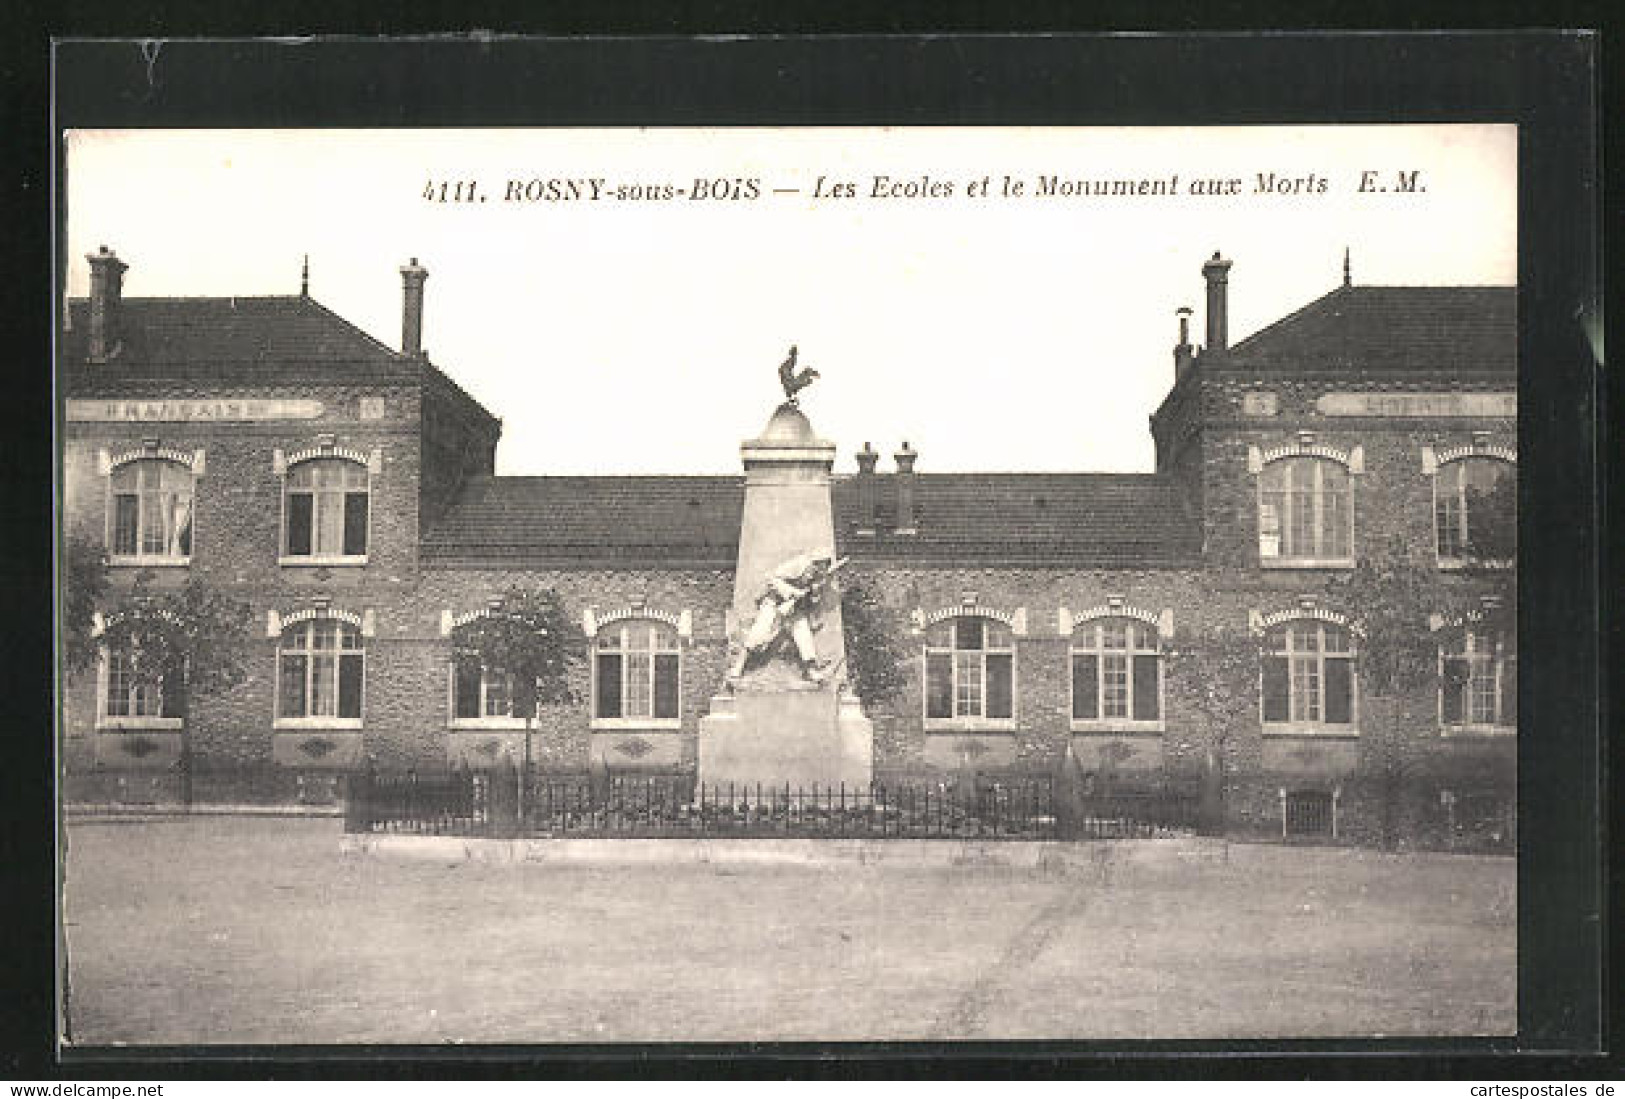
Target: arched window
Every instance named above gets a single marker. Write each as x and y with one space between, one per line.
320 667
636 672
1309 675
1478 681
325 505
1305 510
150 511
1116 672
969 670
130 702
1475 508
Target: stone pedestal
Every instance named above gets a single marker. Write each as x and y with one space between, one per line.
774 728
797 738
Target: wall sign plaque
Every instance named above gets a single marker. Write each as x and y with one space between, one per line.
234 410
1491 405
1259 404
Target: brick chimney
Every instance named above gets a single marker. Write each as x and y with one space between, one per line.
106 295
1217 273
412 278
868 489
907 520
1183 352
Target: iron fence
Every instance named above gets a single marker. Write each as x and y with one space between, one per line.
637 807
1131 815
498 803
455 803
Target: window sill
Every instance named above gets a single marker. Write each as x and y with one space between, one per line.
1474 732
1117 727
322 560
1306 729
304 724
1306 562
970 725
147 561
1458 564
638 724
477 723
147 724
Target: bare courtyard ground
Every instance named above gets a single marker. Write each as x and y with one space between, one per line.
237 930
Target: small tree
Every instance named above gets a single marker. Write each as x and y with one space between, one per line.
84 585
194 633
1390 597
528 636
877 653
187 643
1220 664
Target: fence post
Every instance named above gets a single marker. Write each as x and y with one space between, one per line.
1068 796
185 766
503 798
1210 795
358 799
598 780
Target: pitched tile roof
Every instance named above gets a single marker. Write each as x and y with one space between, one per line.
231 340
283 331
1083 519
1451 328
614 518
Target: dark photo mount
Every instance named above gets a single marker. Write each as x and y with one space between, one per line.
1544 82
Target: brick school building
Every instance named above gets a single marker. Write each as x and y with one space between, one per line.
1168 628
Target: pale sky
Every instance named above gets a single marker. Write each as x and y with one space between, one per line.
616 336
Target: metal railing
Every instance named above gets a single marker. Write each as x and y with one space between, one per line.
641 807
499 803
448 803
1130 815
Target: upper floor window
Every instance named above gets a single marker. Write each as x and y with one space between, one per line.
151 510
320 667
1116 672
969 670
1305 511
1478 682
325 509
128 700
636 670
1309 675
1475 509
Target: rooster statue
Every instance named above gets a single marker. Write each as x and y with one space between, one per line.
794 382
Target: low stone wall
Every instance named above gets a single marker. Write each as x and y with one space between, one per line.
1018 854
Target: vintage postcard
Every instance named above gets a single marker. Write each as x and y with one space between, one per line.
821 584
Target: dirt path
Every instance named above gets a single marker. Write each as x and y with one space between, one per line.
971 1015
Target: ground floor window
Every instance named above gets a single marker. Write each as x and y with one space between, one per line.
1308 675
127 697
1478 685
320 665
479 692
969 670
1116 671
636 669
